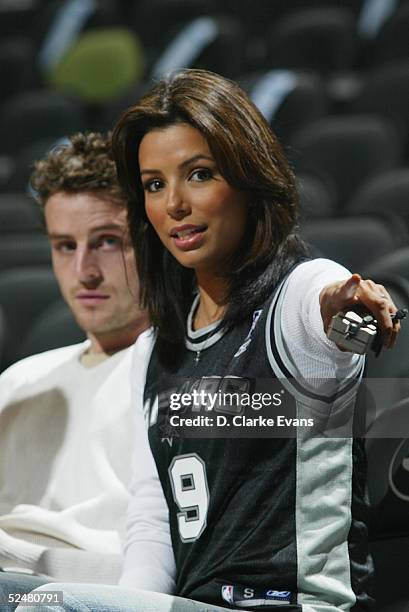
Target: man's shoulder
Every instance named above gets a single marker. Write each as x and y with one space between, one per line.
30 368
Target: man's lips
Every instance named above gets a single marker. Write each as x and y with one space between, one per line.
188 237
91 298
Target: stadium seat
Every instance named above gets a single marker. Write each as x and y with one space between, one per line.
391 591
2 334
100 65
17 17
317 201
54 327
373 15
24 293
212 43
346 150
60 23
17 66
388 485
259 16
354 242
322 39
113 110
395 262
385 91
26 249
388 192
288 99
390 370
174 15
391 42
19 175
19 213
38 115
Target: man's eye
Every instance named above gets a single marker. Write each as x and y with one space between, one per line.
109 242
153 186
201 174
65 247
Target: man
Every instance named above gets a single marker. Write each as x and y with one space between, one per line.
66 422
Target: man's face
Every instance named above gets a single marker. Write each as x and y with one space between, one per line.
94 264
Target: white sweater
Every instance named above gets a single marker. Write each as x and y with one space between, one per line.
66 438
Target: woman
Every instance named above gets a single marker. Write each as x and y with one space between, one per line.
273 523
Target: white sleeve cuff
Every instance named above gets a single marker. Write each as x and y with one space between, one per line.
313 354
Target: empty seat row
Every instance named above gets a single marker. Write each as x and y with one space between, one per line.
326 37
79 47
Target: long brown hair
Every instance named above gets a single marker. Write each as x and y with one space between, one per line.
249 157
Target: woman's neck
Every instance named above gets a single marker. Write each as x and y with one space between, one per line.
211 305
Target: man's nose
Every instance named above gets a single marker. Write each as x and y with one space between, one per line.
87 267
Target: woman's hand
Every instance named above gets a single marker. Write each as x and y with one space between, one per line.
342 294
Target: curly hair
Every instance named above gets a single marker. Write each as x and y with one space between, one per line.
85 164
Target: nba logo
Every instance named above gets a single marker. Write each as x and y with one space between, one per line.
227 593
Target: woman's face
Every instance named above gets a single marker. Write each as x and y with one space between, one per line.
198 216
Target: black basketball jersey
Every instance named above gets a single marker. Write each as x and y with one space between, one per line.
272 522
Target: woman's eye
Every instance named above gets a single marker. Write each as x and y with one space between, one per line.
201 174
153 186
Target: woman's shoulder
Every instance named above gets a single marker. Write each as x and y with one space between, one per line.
313 268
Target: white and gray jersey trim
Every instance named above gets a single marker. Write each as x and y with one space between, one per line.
320 516
204 338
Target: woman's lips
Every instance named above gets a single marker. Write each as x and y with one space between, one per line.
188 237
